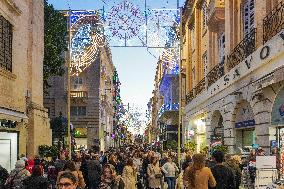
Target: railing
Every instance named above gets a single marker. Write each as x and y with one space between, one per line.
200 87
79 94
168 107
273 23
216 73
190 96
242 50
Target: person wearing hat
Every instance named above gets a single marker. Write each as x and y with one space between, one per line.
17 176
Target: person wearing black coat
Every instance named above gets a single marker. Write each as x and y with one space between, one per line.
36 180
3 176
223 175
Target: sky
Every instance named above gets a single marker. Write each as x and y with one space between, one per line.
136 66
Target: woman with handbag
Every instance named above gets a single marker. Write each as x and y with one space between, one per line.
171 172
154 174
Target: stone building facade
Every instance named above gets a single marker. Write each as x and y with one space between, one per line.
91 102
24 121
234 55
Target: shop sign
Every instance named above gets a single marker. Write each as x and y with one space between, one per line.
248 65
277 115
7 123
245 124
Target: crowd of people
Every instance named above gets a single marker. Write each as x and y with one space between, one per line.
128 168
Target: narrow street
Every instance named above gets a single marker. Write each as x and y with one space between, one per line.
141 94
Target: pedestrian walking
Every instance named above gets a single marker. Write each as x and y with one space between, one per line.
52 174
108 177
154 174
94 172
233 165
70 167
36 180
197 176
67 180
17 176
3 176
171 172
224 176
129 175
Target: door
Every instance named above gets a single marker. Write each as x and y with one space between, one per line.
8 152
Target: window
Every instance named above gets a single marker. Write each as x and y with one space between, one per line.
205 62
221 47
78 81
6 35
204 16
78 110
193 37
248 16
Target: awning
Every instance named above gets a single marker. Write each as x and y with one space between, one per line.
13 115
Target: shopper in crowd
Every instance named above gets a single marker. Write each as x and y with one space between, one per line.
197 176
70 167
17 176
154 174
3 176
67 180
36 180
187 161
233 165
94 171
108 178
224 176
171 171
52 174
129 175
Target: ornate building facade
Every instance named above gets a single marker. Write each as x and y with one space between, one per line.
24 123
234 65
92 103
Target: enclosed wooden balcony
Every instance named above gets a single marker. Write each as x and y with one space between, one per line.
79 94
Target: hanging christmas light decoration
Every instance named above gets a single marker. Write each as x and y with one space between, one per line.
87 38
124 22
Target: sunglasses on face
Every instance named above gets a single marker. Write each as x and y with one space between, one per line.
65 185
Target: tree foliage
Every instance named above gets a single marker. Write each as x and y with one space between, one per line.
55 32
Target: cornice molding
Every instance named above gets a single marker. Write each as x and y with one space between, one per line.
13 7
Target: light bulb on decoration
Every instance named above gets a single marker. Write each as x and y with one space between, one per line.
87 38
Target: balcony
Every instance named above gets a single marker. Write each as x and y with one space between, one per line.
273 23
168 108
216 11
242 50
79 94
216 73
200 87
190 96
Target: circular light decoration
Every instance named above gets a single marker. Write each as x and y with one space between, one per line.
124 21
87 38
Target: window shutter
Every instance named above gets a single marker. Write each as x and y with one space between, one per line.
248 16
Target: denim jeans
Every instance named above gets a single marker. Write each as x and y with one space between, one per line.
171 181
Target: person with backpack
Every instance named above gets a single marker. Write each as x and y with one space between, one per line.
17 176
3 176
224 176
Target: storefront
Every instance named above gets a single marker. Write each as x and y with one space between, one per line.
244 126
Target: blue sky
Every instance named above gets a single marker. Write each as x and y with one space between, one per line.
136 67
